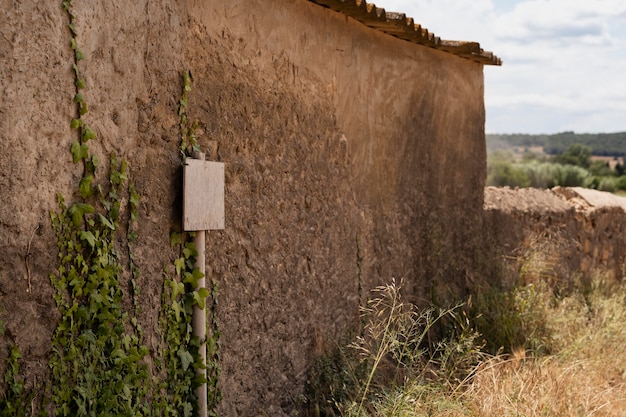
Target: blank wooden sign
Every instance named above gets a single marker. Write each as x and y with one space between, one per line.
203 195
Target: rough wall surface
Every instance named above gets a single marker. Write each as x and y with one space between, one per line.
337 140
586 227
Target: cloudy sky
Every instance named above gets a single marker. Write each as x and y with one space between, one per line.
564 60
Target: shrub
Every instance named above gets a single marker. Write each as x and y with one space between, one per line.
607 184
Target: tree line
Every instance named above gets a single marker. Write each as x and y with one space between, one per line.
572 168
602 144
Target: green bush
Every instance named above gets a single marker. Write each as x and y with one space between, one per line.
576 154
607 184
570 175
504 173
601 169
620 183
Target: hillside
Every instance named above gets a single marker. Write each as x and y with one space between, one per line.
605 144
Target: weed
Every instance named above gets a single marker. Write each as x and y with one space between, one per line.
15 401
393 352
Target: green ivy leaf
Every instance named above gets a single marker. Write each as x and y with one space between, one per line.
178 288
185 358
179 263
188 278
79 151
80 83
76 123
133 196
176 309
85 186
190 250
176 239
192 278
79 55
187 409
187 80
78 210
88 134
106 222
88 237
199 297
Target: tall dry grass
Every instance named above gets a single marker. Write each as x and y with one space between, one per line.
584 373
586 376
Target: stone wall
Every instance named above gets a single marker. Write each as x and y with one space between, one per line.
576 230
338 140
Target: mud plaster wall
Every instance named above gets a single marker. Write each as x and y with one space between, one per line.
331 133
579 231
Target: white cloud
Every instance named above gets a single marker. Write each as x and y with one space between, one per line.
564 60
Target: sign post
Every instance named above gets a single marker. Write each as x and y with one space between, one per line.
203 209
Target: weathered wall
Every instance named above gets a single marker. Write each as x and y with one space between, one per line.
332 133
585 229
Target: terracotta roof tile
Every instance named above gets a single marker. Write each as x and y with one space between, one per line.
403 27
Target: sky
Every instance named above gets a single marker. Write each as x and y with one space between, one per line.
564 61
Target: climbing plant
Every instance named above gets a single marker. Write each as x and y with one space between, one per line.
188 142
181 355
14 402
188 146
96 361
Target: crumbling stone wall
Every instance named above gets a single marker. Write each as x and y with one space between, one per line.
587 226
338 140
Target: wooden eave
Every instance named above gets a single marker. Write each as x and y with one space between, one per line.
405 28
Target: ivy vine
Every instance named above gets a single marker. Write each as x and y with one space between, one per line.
213 368
181 356
15 401
188 140
97 360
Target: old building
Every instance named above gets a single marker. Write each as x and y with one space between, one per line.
354 148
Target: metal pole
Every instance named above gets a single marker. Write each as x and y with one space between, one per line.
199 314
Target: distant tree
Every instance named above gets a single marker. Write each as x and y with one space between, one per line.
620 183
576 154
592 182
505 174
607 184
601 169
528 156
570 175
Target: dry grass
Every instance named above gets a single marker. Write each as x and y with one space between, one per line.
545 387
585 377
585 374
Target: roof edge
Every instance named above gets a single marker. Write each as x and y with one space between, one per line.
405 28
